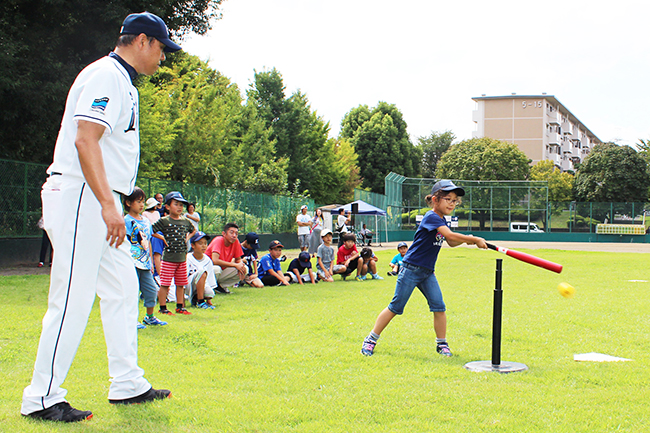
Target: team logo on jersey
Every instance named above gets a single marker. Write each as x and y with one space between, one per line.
99 104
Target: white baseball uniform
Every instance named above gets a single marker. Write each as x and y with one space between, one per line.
84 265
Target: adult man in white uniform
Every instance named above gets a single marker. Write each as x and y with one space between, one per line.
95 162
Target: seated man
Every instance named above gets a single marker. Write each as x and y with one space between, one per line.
298 266
226 254
367 235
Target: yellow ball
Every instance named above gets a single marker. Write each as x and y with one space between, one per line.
566 290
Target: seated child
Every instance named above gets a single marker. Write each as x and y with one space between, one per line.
249 247
298 266
396 263
325 267
200 273
369 264
349 257
270 269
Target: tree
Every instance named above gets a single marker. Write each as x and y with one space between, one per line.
486 159
43 46
433 147
298 132
380 139
195 129
560 184
612 173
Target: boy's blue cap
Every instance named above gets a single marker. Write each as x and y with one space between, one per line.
198 236
401 244
447 185
253 240
175 195
304 257
152 26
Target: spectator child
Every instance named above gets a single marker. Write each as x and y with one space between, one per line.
418 268
396 263
270 269
139 235
226 254
177 230
151 210
315 238
250 246
349 257
369 264
325 255
200 273
298 266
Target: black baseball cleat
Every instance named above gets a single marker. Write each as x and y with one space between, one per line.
62 412
222 290
151 395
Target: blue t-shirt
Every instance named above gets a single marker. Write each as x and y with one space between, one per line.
266 263
397 260
426 242
138 232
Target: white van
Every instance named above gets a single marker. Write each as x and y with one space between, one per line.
525 228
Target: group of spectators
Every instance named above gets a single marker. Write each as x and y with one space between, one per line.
176 262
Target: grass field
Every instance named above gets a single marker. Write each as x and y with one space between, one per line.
287 359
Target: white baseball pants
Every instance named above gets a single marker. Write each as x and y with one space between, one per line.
84 266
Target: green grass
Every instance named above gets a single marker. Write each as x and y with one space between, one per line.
287 359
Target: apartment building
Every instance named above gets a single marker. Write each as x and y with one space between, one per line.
539 125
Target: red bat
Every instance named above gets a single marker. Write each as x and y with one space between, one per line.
550 266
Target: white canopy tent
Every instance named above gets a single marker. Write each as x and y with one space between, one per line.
366 209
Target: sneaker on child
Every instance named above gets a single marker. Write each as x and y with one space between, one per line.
153 321
368 346
443 349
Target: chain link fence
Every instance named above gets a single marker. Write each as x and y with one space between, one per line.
20 191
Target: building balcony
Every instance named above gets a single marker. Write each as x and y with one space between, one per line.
584 142
576 135
567 128
552 118
476 116
567 151
554 138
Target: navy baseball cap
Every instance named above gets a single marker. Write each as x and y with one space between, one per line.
447 185
304 257
175 195
401 244
198 236
152 26
253 240
275 244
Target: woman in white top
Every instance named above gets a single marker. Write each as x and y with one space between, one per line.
317 225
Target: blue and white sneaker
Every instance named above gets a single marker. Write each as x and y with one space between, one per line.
141 326
204 305
375 277
368 347
360 278
153 321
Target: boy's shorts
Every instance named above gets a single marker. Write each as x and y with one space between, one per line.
173 271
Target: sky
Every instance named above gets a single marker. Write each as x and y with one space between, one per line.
430 57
